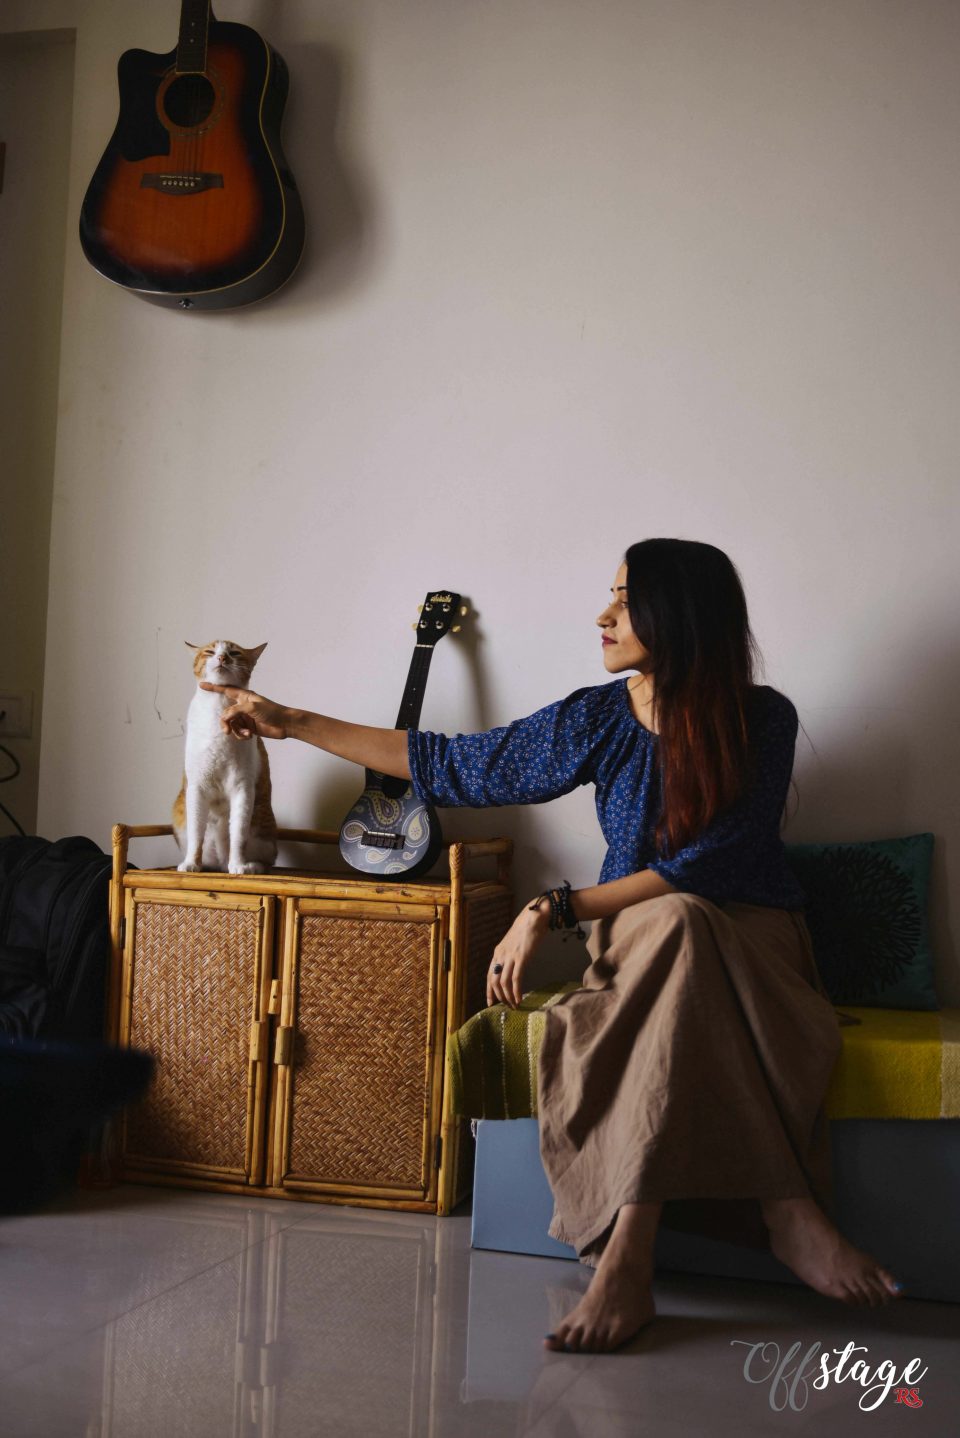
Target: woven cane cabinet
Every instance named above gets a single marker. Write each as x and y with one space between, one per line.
299 1022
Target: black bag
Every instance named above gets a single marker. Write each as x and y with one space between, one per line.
54 1098
54 938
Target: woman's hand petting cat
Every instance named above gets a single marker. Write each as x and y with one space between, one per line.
514 952
250 714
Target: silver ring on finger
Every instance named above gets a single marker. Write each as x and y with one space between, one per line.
498 968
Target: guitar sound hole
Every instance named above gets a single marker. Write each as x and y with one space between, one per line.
188 101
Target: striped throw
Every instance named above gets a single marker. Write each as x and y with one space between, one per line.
895 1063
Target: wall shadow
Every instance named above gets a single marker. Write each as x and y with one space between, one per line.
883 766
338 203
340 226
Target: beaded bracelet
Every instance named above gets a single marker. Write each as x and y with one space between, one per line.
570 920
561 910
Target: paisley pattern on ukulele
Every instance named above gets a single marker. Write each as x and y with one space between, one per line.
385 811
401 825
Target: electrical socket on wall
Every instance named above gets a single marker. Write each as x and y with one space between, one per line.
16 715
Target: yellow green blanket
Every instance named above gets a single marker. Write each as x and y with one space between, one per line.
896 1063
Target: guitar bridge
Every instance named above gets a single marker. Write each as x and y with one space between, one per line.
182 184
380 839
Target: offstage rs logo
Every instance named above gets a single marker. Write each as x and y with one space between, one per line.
789 1386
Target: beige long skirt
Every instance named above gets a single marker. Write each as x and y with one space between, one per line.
691 1068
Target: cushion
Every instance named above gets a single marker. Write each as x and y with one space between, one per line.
894 1063
492 1058
867 915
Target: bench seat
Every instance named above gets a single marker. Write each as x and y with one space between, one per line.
894 1111
895 1063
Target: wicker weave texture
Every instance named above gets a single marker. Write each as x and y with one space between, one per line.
192 1002
361 1080
488 919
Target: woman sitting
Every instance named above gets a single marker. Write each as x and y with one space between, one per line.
686 1079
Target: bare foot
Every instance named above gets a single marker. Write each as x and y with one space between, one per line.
618 1302
803 1238
614 1308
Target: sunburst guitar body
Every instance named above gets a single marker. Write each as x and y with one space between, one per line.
193 204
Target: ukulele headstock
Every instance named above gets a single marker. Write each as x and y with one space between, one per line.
439 614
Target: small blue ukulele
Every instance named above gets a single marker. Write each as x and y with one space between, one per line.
389 832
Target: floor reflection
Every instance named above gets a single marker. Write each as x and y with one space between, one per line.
169 1313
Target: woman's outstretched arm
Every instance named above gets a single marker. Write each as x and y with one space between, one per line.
249 714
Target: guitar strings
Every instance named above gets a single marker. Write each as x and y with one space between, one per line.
190 144
202 81
195 113
194 120
198 88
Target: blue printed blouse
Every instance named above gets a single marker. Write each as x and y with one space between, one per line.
593 737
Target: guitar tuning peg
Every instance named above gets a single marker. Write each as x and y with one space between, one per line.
414 625
419 608
464 609
456 629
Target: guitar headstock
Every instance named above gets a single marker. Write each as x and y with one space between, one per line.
439 614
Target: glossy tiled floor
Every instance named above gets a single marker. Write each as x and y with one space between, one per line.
153 1313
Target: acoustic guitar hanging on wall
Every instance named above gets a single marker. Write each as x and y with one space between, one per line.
193 204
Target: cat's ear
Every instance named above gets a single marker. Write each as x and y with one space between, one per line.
191 646
254 654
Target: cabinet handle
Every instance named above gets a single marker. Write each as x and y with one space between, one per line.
283 1050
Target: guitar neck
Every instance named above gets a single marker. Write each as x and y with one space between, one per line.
412 701
192 42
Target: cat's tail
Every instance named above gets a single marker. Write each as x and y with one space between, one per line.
180 816
263 850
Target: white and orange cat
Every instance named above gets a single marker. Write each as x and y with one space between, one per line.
222 816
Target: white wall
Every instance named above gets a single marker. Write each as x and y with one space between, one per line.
577 274
36 85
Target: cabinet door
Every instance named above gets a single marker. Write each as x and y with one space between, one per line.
196 990
359 1048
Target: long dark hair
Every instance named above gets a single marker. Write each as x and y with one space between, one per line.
687 607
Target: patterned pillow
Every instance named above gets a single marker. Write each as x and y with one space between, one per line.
867 915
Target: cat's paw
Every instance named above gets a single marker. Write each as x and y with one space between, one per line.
250 867
187 868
